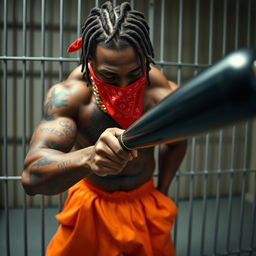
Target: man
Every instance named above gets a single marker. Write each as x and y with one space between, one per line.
113 207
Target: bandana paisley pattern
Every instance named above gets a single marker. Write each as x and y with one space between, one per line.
124 105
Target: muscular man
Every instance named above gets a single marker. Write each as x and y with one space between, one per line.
112 207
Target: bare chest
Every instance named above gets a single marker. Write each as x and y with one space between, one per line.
92 122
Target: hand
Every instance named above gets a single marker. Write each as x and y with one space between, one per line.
108 157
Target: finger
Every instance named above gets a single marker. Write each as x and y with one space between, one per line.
106 163
134 153
106 171
105 151
116 131
112 142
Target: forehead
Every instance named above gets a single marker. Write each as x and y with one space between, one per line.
113 57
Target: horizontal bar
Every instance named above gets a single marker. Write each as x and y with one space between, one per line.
166 63
16 58
183 173
232 252
10 178
169 63
214 172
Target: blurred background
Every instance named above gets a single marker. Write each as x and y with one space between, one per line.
215 185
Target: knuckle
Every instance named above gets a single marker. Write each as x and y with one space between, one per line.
96 169
99 149
104 136
97 160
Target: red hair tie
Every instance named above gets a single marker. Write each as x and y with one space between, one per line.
75 46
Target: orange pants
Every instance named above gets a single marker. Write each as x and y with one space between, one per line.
96 223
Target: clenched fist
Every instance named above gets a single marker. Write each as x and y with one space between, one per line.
107 156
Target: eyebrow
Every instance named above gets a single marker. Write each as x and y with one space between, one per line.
105 71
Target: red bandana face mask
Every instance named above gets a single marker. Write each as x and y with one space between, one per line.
124 105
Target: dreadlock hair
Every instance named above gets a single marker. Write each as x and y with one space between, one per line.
116 28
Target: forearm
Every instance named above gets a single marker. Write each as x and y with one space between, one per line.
51 172
170 159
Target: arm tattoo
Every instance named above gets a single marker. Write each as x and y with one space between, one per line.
65 164
56 100
52 131
68 129
43 162
55 145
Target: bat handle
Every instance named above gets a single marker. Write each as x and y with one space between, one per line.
120 139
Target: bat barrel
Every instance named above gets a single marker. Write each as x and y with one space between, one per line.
222 94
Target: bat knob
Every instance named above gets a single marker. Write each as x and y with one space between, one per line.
120 139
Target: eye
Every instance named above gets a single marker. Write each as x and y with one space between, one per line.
135 75
136 72
108 77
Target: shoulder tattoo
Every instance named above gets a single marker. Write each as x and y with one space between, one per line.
56 100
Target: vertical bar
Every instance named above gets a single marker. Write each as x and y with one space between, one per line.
114 2
193 154
5 164
61 41
191 194
210 33
180 39
230 199
249 23
206 163
179 83
244 184
151 19
42 77
132 3
5 131
197 34
24 89
162 33
254 198
248 44
218 185
42 52
78 21
237 25
205 190
253 214
224 41
97 3
162 30
233 142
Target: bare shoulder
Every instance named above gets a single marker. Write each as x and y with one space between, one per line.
159 87
76 74
65 98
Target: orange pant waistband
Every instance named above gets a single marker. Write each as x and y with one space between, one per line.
123 195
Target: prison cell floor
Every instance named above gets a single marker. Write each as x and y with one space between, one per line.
16 220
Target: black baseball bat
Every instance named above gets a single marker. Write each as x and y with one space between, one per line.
222 94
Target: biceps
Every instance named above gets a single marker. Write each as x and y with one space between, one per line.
58 134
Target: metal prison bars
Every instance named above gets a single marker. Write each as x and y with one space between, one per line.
188 36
